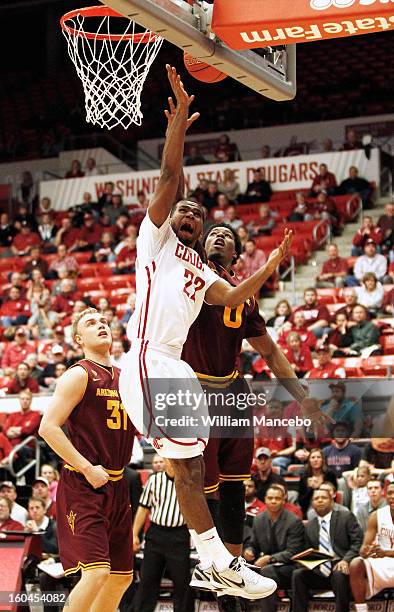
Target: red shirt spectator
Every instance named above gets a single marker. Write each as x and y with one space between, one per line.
23 241
325 369
6 522
255 507
5 446
127 256
367 230
298 355
312 310
17 351
334 268
325 180
274 437
64 302
265 223
22 381
20 425
14 306
90 232
75 170
67 234
298 325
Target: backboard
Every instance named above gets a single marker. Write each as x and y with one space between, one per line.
269 71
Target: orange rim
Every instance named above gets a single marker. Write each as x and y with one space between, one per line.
102 11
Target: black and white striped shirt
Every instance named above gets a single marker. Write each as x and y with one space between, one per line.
160 497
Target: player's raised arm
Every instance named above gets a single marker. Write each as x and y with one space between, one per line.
222 293
70 389
171 167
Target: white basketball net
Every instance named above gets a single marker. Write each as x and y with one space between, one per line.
112 72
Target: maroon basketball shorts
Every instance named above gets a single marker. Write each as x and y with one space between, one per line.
94 525
229 454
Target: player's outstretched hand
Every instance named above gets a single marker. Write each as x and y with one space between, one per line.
96 476
182 97
278 254
170 114
311 409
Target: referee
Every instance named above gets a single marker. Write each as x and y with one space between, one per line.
167 543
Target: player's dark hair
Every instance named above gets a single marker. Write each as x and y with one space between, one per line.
237 241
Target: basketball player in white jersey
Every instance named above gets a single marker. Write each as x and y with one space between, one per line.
172 282
374 570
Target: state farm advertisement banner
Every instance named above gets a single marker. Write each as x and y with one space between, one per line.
279 22
282 172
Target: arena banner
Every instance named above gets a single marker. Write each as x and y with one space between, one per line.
283 173
280 22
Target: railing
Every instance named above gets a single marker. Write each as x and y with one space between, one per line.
354 207
325 236
290 271
32 463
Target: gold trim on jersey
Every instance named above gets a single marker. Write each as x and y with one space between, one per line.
217 382
105 368
125 573
87 566
114 475
211 489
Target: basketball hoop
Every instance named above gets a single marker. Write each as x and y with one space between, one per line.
112 67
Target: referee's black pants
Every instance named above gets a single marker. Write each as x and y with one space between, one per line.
166 547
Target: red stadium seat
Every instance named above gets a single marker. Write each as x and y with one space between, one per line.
328 296
96 269
379 365
83 256
120 280
287 194
294 468
352 365
96 294
387 343
144 475
87 284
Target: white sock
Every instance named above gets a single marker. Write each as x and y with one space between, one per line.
204 557
216 549
361 607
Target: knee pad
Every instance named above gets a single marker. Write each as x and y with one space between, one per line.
232 511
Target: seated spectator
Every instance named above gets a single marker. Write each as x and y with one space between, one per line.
314 475
219 212
65 300
16 280
334 270
63 274
20 425
118 355
6 522
253 506
116 208
277 535
243 235
373 571
324 208
316 315
52 476
388 302
386 224
48 374
341 455
264 224
16 351
282 313
22 380
63 260
45 207
349 295
91 168
230 217
339 336
68 235
376 500
252 258
225 150
40 489
344 410
333 532
43 319
371 261
8 491
298 325
25 217
303 210
200 191
331 488
325 368
229 186
90 233
194 158
36 262
7 231
356 184
367 231
24 240
106 196
265 152
370 294
276 438
298 355
355 492
125 260
259 190
130 302
352 142
104 249
14 310
324 181
36 288
211 196
364 335
47 231
263 475
75 170
39 521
